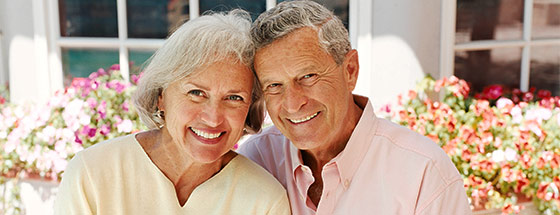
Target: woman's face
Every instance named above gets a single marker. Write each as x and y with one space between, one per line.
205 112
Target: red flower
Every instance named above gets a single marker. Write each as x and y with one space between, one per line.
493 91
528 96
544 94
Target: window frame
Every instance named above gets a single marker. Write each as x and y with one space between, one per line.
124 44
449 48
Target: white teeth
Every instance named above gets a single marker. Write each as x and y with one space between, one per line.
303 119
205 135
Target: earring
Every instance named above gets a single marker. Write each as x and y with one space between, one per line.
159 114
159 118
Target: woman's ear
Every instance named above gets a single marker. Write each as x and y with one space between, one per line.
160 105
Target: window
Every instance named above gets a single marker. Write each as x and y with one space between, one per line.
93 34
339 7
515 43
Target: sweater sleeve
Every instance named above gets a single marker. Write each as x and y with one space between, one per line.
75 192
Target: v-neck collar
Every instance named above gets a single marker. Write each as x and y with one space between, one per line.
230 166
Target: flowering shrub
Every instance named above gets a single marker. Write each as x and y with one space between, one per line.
507 150
40 139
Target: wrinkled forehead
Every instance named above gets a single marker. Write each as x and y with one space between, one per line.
298 47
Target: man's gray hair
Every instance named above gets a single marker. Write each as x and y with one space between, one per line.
202 41
292 15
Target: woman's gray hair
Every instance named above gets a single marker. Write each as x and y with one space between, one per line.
292 15
202 41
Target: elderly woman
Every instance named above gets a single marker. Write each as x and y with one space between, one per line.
199 96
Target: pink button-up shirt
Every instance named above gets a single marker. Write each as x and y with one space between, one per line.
384 169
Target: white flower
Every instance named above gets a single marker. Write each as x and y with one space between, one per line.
510 154
516 114
535 129
73 108
125 126
498 156
503 102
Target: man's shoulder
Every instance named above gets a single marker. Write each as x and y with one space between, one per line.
416 146
264 142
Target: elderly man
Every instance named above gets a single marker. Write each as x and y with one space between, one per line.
329 150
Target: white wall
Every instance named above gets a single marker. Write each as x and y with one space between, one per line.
3 55
401 47
19 48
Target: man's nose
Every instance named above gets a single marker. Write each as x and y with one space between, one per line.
294 98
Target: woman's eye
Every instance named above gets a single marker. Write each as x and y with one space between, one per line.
235 98
196 93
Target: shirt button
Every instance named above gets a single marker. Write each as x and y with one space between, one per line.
347 183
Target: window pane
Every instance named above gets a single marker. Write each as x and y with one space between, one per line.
489 20
137 60
80 18
254 7
339 7
82 62
546 19
487 67
545 68
155 19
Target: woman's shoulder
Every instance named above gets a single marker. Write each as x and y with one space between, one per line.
104 154
109 147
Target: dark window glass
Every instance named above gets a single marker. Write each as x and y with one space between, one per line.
80 18
487 67
545 68
82 62
339 7
546 20
489 20
155 19
254 7
138 60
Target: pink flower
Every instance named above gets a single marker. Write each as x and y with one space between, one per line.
115 67
125 106
89 131
91 102
78 140
105 129
101 72
101 109
386 108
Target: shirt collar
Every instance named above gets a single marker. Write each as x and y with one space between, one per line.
349 159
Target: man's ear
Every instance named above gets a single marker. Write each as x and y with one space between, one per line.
351 68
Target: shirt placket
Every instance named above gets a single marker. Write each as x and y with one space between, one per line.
331 180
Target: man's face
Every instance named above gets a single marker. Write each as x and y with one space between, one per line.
308 96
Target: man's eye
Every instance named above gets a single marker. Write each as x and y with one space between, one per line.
196 93
234 98
309 76
308 79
